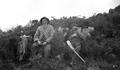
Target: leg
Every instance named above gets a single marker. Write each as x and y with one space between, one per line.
47 50
34 49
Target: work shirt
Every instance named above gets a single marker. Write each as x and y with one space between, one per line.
44 33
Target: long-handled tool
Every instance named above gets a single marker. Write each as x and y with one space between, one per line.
70 45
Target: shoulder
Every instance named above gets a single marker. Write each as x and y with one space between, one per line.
40 27
50 27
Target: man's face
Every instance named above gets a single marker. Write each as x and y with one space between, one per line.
44 21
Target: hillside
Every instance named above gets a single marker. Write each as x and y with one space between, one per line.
102 49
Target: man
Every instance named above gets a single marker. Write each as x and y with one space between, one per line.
85 32
44 35
76 36
23 45
79 36
75 40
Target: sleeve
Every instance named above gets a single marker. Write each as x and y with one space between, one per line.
37 34
66 37
51 34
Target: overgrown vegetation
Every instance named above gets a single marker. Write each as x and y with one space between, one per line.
101 49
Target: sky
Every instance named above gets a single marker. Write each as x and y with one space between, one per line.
20 12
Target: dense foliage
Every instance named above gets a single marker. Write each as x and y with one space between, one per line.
103 47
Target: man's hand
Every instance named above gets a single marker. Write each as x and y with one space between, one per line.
39 42
44 43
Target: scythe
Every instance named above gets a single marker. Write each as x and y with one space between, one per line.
70 45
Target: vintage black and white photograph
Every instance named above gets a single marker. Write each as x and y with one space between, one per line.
59 34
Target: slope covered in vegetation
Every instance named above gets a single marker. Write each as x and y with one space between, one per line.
101 49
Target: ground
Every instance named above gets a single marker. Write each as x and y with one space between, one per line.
56 64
